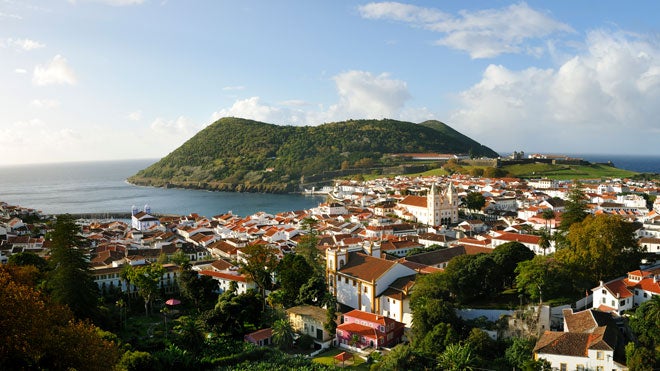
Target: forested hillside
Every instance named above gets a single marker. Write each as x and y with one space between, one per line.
245 155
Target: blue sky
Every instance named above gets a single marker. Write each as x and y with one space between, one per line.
117 79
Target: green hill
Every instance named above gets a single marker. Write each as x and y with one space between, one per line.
243 155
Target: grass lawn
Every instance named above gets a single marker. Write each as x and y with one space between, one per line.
567 172
327 358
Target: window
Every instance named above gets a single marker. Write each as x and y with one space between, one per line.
354 282
345 279
580 368
622 303
600 368
366 290
599 354
562 367
604 292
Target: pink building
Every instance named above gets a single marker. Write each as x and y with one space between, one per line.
369 329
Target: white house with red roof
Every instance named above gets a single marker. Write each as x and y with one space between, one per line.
628 292
142 220
590 341
529 240
438 207
357 279
369 329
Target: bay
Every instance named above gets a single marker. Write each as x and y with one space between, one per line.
101 187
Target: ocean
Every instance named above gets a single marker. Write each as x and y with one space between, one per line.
639 163
101 187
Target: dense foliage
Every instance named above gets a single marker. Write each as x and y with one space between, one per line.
245 155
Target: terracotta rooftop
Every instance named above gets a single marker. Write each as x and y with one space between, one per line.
366 267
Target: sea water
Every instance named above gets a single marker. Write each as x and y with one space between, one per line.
101 187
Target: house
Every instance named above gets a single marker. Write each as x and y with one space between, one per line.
225 279
590 341
531 241
260 338
368 330
357 279
310 320
142 220
650 244
626 293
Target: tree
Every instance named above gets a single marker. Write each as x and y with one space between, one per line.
307 246
260 261
457 357
401 358
146 279
545 239
330 324
39 334
136 361
472 276
430 304
519 352
601 247
293 271
547 215
575 208
198 290
475 201
190 334
283 334
645 324
28 258
507 256
482 346
437 340
543 277
69 280
314 291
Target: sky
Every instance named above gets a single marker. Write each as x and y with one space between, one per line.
88 80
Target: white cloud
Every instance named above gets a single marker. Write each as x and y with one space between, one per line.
586 103
17 136
55 72
135 116
253 109
364 95
361 94
11 16
24 44
182 126
232 88
112 2
20 71
482 34
46 103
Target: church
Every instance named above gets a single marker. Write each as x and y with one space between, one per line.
438 207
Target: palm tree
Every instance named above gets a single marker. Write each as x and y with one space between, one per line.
457 357
547 215
282 333
545 239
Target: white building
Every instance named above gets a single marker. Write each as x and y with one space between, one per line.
627 293
590 341
438 207
358 280
142 220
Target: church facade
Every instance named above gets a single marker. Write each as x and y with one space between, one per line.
438 207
